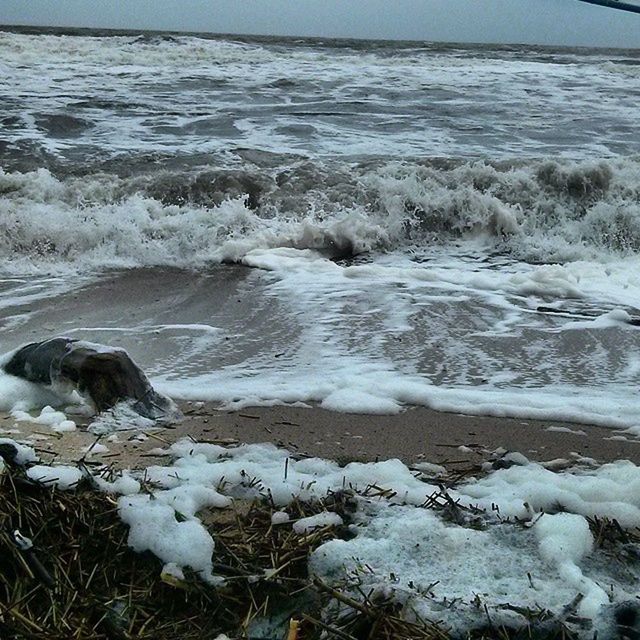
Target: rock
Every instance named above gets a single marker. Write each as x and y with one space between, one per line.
105 375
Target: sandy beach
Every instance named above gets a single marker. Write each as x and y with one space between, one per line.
417 435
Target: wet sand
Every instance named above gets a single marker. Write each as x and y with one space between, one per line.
233 297
416 435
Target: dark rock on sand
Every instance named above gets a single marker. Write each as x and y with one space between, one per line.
104 374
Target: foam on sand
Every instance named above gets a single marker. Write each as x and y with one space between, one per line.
399 545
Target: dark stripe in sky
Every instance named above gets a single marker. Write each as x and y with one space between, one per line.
614 4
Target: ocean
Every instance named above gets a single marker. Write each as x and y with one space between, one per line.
363 226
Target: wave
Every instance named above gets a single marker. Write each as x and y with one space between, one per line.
73 99
542 211
127 51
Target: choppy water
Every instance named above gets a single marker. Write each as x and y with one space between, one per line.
443 225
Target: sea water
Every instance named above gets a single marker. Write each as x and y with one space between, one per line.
411 223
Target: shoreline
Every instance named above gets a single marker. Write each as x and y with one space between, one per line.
258 521
416 435
151 303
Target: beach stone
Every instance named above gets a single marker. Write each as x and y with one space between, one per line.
105 374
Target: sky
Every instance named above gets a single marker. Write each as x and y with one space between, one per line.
564 22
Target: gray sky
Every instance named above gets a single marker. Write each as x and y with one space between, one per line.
526 21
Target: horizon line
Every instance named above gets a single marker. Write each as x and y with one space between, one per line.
217 34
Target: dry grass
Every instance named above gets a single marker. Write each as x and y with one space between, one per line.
81 581
91 584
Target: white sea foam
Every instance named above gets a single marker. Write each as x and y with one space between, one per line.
452 336
61 476
20 395
128 93
56 420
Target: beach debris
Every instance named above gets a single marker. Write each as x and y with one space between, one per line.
294 628
103 589
364 550
25 545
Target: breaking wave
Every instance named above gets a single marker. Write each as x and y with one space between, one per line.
542 211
